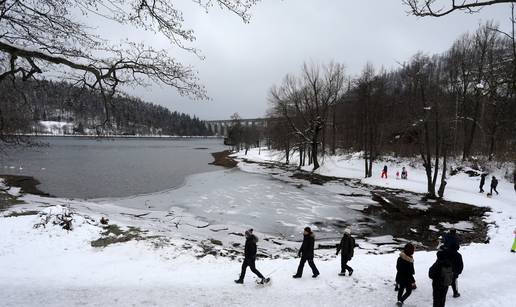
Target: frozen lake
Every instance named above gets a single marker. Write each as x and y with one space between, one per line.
88 168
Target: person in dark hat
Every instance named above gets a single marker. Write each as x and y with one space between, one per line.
250 257
306 252
346 248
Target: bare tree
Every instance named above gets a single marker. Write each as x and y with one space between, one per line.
39 36
437 8
305 102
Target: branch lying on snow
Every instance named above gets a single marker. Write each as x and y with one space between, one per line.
136 215
200 227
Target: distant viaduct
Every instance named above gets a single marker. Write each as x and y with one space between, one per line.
220 127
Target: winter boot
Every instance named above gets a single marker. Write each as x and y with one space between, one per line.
239 281
350 272
399 303
457 294
296 276
315 275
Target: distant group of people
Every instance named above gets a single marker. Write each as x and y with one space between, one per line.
404 173
494 184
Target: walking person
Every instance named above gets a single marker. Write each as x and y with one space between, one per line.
250 258
494 184
404 174
405 273
306 252
384 172
482 182
441 273
346 247
457 267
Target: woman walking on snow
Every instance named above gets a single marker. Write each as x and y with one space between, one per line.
250 257
306 252
405 273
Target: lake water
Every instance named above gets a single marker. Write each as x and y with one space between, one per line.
89 168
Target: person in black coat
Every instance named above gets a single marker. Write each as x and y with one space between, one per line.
441 273
405 273
457 267
346 247
306 252
482 182
494 184
249 257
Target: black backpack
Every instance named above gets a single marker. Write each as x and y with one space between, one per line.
446 275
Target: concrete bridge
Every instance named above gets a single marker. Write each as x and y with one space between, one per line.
220 127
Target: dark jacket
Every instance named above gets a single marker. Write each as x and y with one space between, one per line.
457 264
346 246
250 248
494 182
482 179
307 248
441 265
405 270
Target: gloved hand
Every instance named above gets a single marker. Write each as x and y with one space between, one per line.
337 253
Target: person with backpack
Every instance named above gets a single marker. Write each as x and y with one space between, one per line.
513 249
346 247
482 182
405 273
306 252
441 273
494 184
451 241
457 267
384 172
250 257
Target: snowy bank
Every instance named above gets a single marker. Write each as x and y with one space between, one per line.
180 259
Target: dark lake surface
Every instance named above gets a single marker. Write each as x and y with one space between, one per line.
89 168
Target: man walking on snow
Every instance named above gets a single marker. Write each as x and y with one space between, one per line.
250 258
482 182
346 246
306 252
494 184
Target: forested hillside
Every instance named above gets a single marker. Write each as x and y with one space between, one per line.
25 104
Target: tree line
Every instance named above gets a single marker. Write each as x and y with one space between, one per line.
457 103
25 104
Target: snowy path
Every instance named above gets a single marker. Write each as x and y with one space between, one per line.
53 268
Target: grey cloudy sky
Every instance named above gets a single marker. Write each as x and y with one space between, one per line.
244 60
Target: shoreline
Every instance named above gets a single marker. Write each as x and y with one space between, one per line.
224 159
27 184
120 136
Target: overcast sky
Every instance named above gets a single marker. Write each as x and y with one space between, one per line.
244 60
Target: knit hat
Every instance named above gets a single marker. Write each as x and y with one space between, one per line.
249 232
347 230
409 249
307 229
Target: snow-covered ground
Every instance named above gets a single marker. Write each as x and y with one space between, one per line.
49 266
